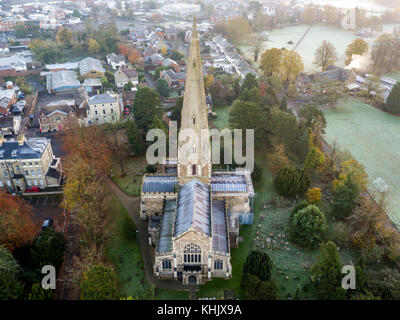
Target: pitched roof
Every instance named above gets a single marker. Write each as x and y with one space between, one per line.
193 208
90 64
159 184
130 73
31 149
167 226
218 227
102 98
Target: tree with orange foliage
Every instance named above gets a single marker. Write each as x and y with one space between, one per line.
16 226
90 145
88 160
131 53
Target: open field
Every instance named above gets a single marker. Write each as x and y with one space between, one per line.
373 137
395 75
279 38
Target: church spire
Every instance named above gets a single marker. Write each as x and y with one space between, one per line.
194 117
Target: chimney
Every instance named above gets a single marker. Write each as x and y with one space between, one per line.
21 139
2 139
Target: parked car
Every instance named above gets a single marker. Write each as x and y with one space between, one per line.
47 223
33 189
127 111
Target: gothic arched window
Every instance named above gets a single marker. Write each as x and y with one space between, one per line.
192 253
166 264
218 264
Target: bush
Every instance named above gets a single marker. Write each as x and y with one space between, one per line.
259 264
38 293
297 208
99 283
48 249
393 100
292 181
10 286
151 168
308 226
345 198
339 234
255 289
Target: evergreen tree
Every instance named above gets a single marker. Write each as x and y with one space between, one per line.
327 273
393 100
135 138
283 104
292 181
259 264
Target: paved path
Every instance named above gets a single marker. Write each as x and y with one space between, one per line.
132 205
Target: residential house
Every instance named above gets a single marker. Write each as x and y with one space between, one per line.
10 125
91 68
7 98
128 97
103 108
123 76
171 63
56 118
26 163
174 79
116 61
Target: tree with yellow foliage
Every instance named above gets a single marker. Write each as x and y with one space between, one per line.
209 79
356 169
314 195
358 46
93 46
292 65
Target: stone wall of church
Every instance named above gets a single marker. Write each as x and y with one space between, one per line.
235 203
152 204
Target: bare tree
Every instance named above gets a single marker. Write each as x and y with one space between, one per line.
256 42
325 55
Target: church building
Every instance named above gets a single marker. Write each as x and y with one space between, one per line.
194 212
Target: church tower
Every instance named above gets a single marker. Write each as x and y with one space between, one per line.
194 152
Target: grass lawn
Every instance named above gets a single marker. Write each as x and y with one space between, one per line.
173 94
124 253
221 121
131 183
373 137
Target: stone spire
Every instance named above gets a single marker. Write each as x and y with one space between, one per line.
194 158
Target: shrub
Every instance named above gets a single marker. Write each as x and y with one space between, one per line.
308 226
99 283
151 168
298 207
259 264
345 198
38 293
314 195
48 249
292 181
255 289
339 234
393 100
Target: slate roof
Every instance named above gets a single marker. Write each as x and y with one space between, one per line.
159 184
102 98
31 149
218 227
116 58
167 226
193 208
